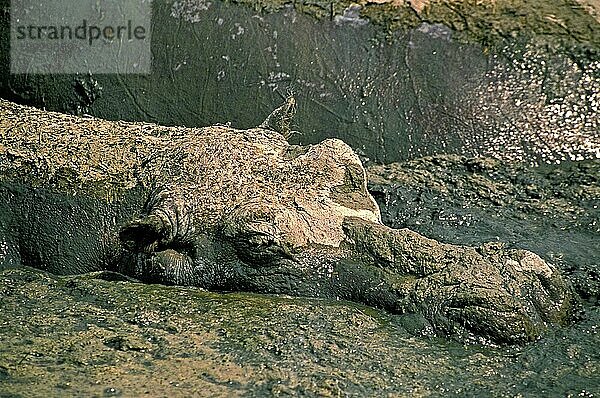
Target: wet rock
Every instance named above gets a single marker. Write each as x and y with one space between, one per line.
496 79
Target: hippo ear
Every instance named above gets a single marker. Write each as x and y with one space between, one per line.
280 119
143 234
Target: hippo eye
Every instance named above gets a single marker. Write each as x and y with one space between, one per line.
260 247
143 235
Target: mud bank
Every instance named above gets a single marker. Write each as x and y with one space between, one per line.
98 335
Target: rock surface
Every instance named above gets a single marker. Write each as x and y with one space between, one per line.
495 78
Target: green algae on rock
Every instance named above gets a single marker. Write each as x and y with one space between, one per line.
484 22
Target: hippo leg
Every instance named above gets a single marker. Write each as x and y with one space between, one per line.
505 295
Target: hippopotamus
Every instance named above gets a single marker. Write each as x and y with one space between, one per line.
227 209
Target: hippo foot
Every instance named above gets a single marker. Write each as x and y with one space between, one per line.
502 295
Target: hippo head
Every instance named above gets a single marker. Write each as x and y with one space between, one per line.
246 221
